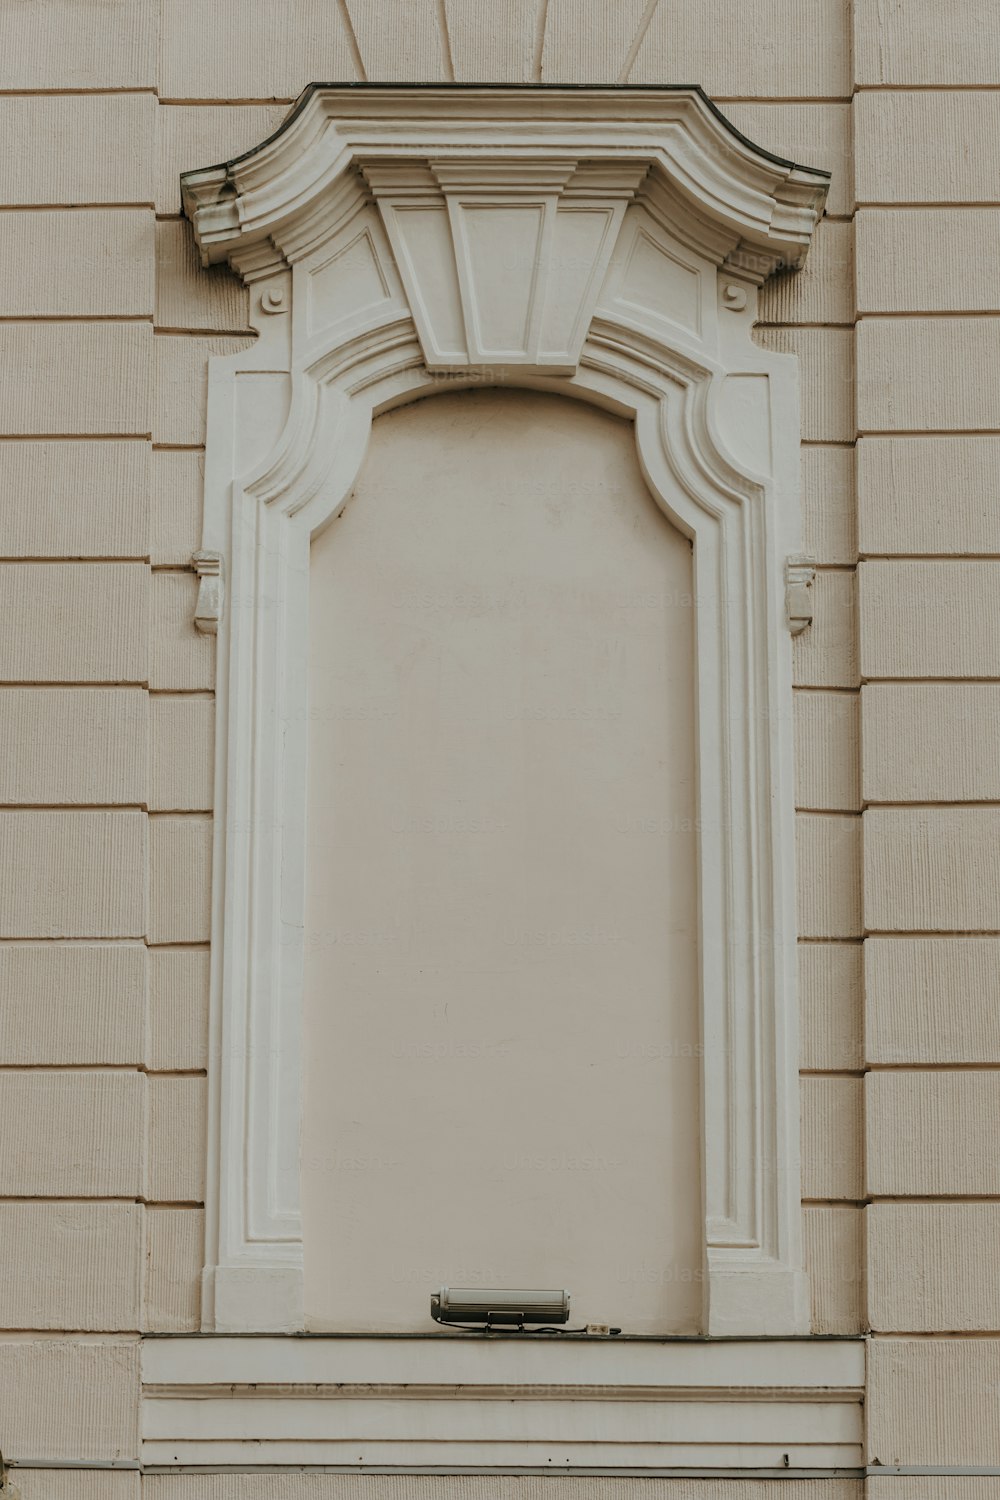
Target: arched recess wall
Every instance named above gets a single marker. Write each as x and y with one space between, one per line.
631 230
502 1075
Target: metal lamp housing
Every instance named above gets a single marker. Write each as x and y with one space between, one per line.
499 1309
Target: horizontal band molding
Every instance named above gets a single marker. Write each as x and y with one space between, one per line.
797 1364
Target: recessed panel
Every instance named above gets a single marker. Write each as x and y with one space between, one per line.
659 283
432 280
504 249
501 1033
349 283
578 237
745 417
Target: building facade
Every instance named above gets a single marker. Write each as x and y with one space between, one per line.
498 775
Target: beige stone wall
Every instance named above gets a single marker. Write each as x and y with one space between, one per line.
40 1484
106 708
927 346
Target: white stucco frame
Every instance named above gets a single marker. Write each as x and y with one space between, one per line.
630 231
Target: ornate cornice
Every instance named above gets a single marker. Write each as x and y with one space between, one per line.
764 203
549 170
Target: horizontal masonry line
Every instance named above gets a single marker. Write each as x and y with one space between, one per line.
109 937
794 326
185 947
932 1067
178 447
134 1332
926 88
204 333
96 1198
123 92
938 432
59 683
897 315
830 812
50 942
72 208
819 941
904 937
721 99
32 319
76 437
431 1470
945 1199
957 932
154 1203
74 807
892 208
961 681
858 1072
173 100
205 693
881 1470
834 1202
181 812
118 942
102 1069
914 804
804 685
147 1203
926 1336
154 1391
124 557
956 557
928 203
82 1465
529 1337
570 1470
85 1336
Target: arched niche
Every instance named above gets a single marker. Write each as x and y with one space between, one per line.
604 245
502 1076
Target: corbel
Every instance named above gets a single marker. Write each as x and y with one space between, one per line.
208 606
799 575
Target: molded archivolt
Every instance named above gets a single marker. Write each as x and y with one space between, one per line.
599 243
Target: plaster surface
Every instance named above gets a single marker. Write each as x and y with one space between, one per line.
502 1052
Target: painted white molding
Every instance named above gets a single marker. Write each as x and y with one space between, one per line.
492 1402
606 245
208 605
800 575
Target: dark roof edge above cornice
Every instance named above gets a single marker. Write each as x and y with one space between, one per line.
539 88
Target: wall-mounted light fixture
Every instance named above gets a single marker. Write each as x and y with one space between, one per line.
499 1309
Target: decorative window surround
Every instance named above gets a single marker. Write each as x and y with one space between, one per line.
605 244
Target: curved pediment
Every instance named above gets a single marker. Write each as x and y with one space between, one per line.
502 207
